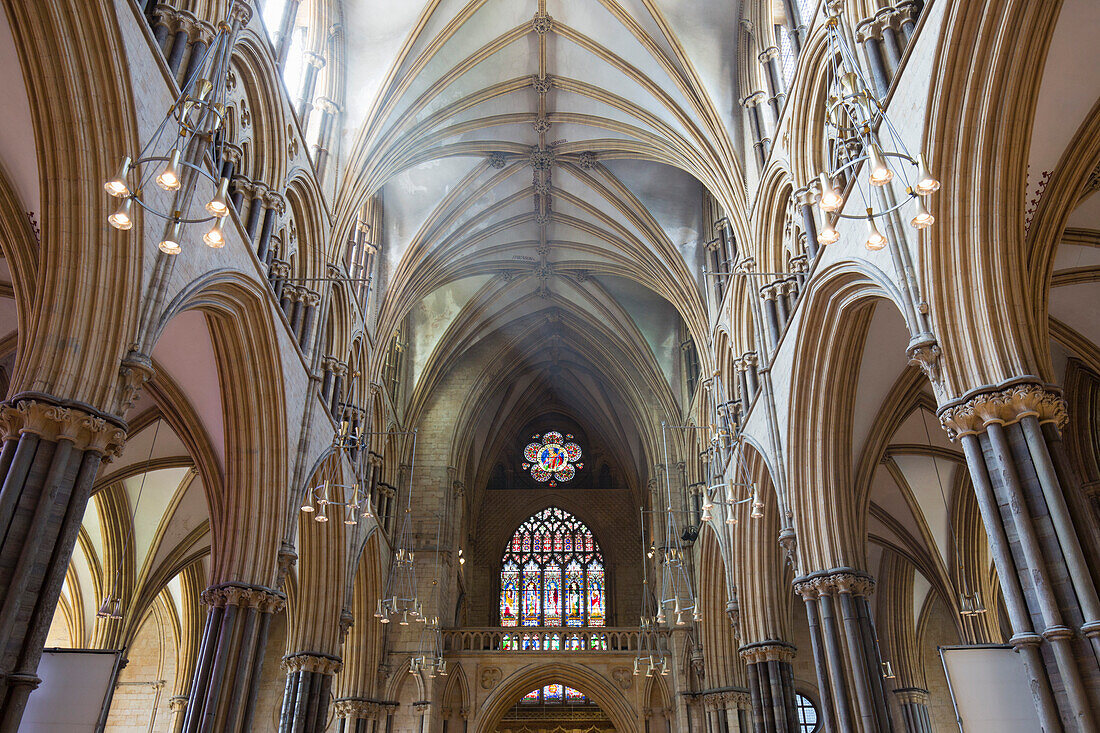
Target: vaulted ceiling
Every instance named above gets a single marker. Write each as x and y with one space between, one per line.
542 167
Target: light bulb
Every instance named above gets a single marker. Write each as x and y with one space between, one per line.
117 186
697 616
378 610
926 184
170 245
875 239
116 610
831 200
351 519
308 506
321 517
218 206
384 620
880 172
828 234
104 608
731 518
923 218
706 516
169 178
404 619
215 238
121 218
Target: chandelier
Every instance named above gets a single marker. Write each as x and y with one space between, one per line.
429 656
399 599
187 145
650 657
863 137
348 497
727 494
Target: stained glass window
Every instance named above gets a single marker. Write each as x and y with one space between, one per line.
555 694
552 574
552 457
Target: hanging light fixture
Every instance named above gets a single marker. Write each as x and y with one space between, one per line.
863 137
185 150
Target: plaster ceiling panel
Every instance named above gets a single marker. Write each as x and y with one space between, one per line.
150 495
597 23
186 353
18 149
575 102
189 512
9 320
1070 256
433 315
888 496
512 132
513 60
1086 215
921 427
376 31
578 134
89 603
876 527
1070 87
930 490
580 64
93 525
921 589
155 440
1075 305
175 593
412 195
882 364
523 100
656 318
707 31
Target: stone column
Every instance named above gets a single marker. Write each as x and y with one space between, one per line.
227 674
339 372
277 275
769 58
311 300
314 63
329 112
1011 436
845 648
51 453
807 197
751 375
178 706
761 143
768 668
308 688
908 14
913 702
869 35
200 36
273 206
255 209
286 32
163 25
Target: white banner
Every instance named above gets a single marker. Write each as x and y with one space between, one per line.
74 687
989 688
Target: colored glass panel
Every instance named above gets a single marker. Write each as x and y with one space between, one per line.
596 603
574 595
551 600
572 695
509 595
530 697
531 595
552 693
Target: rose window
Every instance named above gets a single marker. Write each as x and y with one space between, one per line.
552 457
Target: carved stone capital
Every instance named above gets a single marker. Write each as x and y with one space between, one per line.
310 662
768 651
832 582
315 60
326 105
912 696
135 371
178 703
1004 406
274 200
53 422
542 23
241 14
262 599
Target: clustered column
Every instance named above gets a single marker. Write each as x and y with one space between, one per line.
307 691
771 686
227 674
761 143
49 460
884 37
845 649
1012 440
913 703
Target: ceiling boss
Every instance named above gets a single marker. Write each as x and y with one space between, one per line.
552 457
